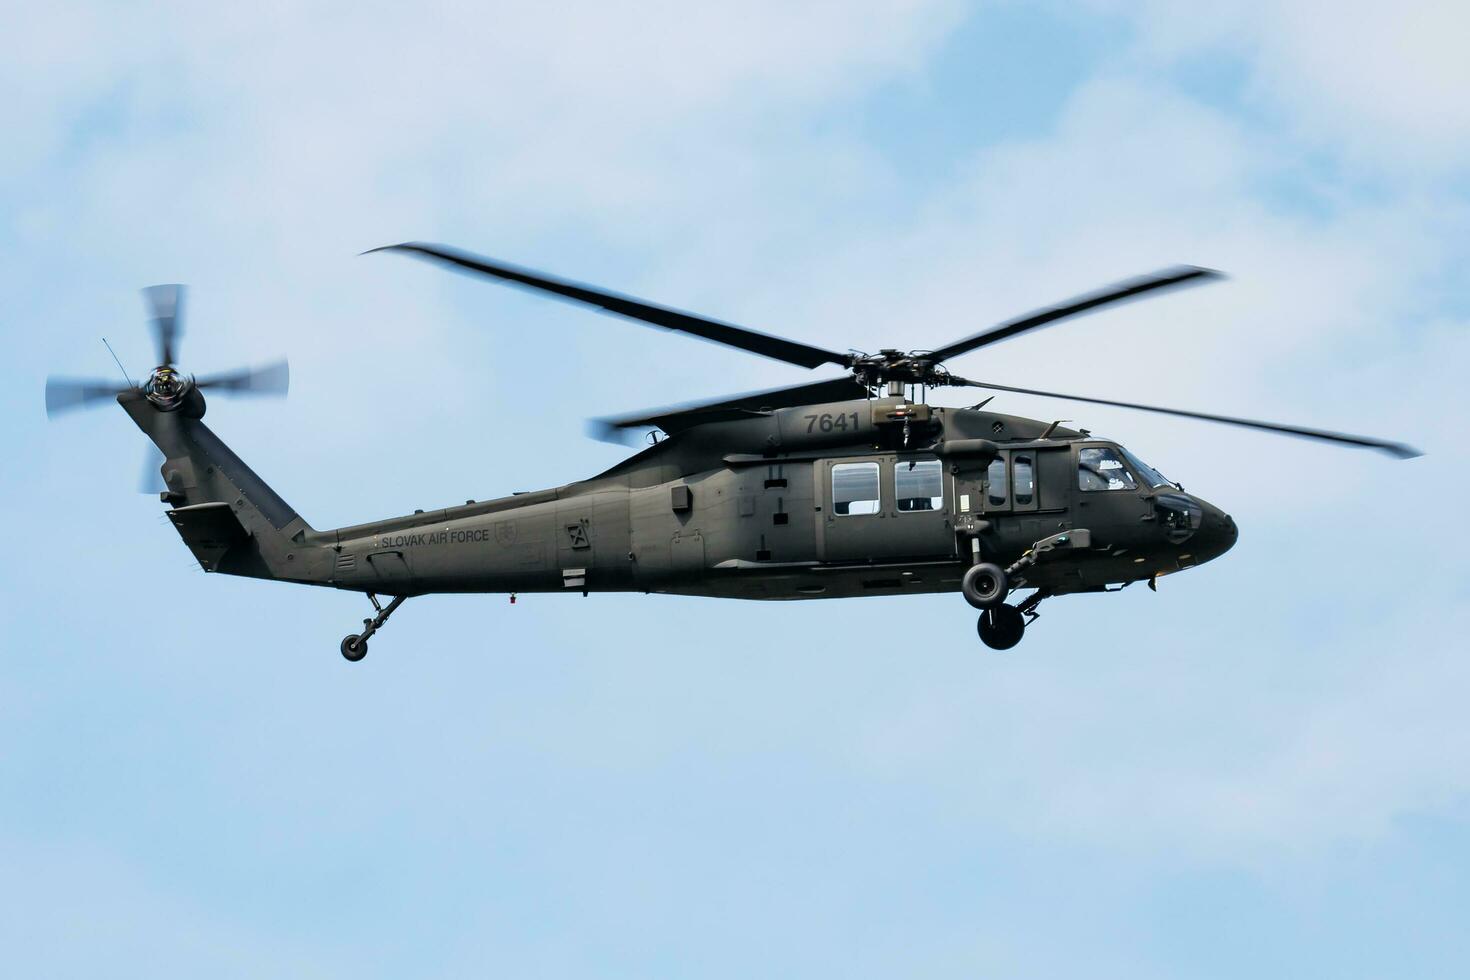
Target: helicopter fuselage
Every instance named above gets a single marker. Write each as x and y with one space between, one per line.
854 498
866 497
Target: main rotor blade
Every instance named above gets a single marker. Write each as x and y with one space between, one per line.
735 406
65 394
1108 296
166 309
1397 449
719 332
269 379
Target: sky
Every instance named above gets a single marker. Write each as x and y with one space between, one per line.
1263 769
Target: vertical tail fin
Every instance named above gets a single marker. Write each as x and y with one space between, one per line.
227 515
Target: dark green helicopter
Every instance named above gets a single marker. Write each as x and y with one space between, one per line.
848 486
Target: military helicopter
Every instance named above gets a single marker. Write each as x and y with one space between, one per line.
848 486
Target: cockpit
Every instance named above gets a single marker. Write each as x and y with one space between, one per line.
1103 468
1151 476
1111 467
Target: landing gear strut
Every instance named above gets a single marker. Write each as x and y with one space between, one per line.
986 585
354 645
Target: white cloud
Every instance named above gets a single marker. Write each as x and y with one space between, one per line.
1382 83
254 150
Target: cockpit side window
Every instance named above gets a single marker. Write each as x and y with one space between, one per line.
1101 468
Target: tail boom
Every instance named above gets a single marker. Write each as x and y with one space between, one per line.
228 516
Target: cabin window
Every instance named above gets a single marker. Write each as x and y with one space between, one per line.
1100 468
854 489
995 483
1023 480
918 484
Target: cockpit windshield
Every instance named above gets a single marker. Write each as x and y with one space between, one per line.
1150 475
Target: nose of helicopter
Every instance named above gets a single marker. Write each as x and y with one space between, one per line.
1217 533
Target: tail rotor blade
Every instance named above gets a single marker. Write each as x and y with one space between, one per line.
65 394
151 480
268 379
166 308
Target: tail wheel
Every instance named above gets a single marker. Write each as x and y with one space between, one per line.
1001 627
985 585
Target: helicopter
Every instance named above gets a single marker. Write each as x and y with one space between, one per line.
849 486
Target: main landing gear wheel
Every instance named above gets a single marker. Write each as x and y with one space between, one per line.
984 585
354 647
1001 627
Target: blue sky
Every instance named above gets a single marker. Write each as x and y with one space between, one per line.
1264 769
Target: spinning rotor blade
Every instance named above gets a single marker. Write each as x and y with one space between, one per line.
735 406
716 331
151 480
64 394
269 379
166 308
1397 449
1118 293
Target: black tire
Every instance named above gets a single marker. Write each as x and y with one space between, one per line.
1001 627
985 585
354 647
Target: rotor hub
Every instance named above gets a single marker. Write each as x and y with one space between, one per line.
166 387
888 365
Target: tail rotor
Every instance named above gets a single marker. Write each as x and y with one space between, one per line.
166 387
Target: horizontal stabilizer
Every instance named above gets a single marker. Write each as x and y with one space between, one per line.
210 530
